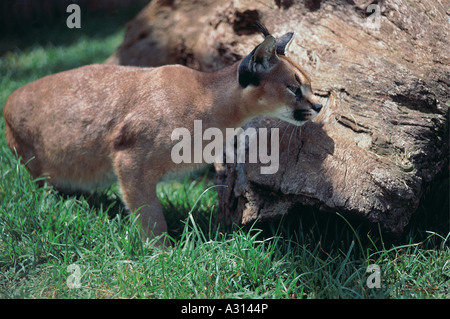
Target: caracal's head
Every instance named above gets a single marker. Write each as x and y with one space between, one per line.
279 86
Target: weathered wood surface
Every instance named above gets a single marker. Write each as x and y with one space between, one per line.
384 76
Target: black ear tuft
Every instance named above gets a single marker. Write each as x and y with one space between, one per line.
262 28
283 42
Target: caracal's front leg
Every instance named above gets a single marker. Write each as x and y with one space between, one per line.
138 186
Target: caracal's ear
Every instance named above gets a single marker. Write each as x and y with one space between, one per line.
283 42
260 60
265 56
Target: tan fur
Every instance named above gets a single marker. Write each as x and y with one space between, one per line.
88 127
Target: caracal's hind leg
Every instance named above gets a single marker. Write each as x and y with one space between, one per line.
24 150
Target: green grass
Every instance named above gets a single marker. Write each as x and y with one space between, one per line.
43 232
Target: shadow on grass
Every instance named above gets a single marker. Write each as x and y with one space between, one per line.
107 200
94 25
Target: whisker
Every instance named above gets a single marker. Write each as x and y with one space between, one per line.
278 123
296 136
289 143
299 137
285 129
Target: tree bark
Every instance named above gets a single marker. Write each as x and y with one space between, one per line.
380 68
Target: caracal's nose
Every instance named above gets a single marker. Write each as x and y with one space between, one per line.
317 107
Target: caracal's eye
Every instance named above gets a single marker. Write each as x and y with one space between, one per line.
293 89
296 91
